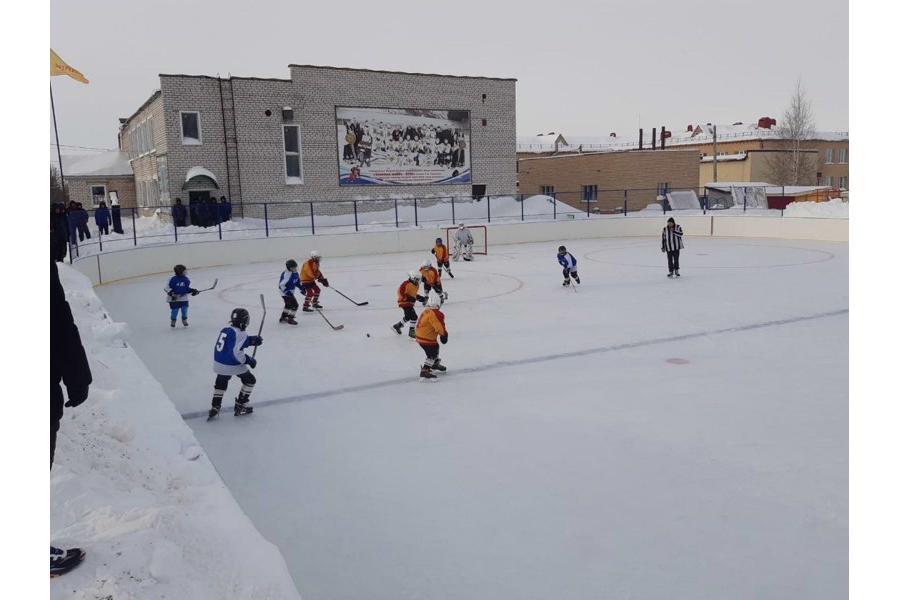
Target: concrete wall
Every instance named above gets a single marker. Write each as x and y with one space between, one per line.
113 266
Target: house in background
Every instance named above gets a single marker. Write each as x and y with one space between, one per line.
91 179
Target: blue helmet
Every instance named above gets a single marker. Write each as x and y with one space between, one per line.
438 241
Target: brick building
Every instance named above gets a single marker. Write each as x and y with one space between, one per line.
600 178
281 140
101 177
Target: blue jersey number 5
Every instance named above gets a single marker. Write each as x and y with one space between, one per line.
220 344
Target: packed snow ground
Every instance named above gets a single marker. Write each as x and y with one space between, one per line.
638 437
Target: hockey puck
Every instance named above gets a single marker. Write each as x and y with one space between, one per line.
367 335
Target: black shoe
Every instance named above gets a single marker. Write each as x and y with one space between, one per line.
669 275
172 324
63 561
184 322
677 274
397 327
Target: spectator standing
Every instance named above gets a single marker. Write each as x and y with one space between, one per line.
101 218
81 222
225 207
59 228
179 213
69 365
116 213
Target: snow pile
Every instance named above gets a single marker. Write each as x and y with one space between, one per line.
132 486
834 209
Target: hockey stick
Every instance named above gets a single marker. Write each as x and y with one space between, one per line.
262 301
212 287
335 327
349 298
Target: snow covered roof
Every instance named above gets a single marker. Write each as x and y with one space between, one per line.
199 172
724 133
113 163
771 188
725 157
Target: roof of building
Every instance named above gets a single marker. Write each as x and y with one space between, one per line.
771 188
107 164
724 133
401 72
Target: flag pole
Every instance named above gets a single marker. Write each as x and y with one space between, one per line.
62 176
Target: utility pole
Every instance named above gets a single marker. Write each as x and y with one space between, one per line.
715 157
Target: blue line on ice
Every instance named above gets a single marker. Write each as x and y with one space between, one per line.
539 359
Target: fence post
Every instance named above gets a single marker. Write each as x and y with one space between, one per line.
312 218
452 210
587 203
416 211
489 208
396 215
219 225
175 224
133 226
100 239
266 217
522 200
355 217
625 203
554 209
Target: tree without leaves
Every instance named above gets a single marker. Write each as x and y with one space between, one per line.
793 166
56 191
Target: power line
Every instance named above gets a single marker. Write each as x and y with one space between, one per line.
52 145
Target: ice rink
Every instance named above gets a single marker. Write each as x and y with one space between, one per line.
637 437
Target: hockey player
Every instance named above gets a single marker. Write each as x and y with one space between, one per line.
309 275
431 279
429 329
442 256
569 265
289 281
407 294
229 359
672 245
463 244
178 289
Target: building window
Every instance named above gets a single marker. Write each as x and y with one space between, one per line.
589 193
826 180
829 156
842 182
98 194
293 172
162 173
191 132
842 156
547 190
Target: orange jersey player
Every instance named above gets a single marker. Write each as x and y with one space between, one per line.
431 279
442 256
429 329
309 275
407 294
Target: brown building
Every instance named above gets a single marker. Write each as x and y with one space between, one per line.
601 178
92 179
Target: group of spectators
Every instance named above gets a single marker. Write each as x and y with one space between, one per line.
397 146
69 223
206 213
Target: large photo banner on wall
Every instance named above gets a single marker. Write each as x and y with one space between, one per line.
403 146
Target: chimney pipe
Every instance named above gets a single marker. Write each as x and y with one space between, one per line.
662 139
640 139
653 147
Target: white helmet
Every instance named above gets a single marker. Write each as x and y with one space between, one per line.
315 254
414 277
434 301
462 226
426 263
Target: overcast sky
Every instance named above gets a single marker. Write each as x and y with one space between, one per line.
583 67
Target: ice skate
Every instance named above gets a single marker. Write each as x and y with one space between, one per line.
412 332
184 322
307 309
567 283
438 366
63 561
317 305
425 373
397 327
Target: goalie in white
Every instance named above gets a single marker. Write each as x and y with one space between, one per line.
462 243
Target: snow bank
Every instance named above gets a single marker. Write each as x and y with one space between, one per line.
133 487
835 209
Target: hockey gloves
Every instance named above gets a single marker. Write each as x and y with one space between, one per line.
251 361
444 338
421 299
76 396
254 340
323 281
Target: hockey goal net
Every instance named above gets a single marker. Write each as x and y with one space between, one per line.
479 239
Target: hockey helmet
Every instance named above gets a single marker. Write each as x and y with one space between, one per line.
315 255
426 264
434 301
439 241
291 264
180 269
414 277
561 250
240 318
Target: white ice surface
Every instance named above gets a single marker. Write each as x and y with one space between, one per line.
638 437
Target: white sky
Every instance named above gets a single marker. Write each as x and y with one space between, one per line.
584 68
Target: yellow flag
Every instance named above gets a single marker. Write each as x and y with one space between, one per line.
59 67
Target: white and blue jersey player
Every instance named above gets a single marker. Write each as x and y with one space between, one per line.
178 289
569 265
229 359
287 283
